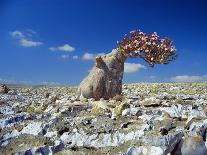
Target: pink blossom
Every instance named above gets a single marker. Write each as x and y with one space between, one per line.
150 46
135 42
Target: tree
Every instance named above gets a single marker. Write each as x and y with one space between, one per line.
105 78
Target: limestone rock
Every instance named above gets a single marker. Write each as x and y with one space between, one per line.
152 101
167 142
119 108
35 128
66 124
133 151
193 146
144 150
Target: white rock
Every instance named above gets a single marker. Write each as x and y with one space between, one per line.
34 128
6 110
126 112
167 143
51 109
14 133
146 117
174 111
197 113
175 89
155 151
8 136
130 111
51 134
3 123
133 151
144 150
201 102
198 128
150 101
193 146
113 115
103 140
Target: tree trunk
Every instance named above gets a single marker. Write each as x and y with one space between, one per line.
105 78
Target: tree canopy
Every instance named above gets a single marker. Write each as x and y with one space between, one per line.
149 47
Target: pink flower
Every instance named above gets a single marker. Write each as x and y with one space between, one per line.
135 42
128 46
143 38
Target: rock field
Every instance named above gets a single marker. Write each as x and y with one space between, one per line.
148 119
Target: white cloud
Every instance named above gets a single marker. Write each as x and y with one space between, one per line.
30 31
88 56
64 56
29 43
91 56
187 78
75 57
17 34
52 48
65 48
23 40
132 67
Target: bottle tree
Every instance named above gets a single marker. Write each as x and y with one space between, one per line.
105 78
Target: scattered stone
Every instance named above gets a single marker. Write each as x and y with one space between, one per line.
148 119
119 108
144 150
193 146
150 102
132 112
133 151
167 143
35 128
125 125
4 89
47 95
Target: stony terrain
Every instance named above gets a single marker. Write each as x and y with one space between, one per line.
148 119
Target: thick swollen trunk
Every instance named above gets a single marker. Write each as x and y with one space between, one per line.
105 78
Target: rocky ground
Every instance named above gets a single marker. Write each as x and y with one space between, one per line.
148 119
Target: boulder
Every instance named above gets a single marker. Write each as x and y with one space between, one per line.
193 145
4 89
167 142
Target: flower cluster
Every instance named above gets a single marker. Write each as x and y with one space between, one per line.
149 47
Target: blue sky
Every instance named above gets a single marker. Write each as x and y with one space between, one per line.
55 41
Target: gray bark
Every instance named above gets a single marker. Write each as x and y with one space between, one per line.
105 78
